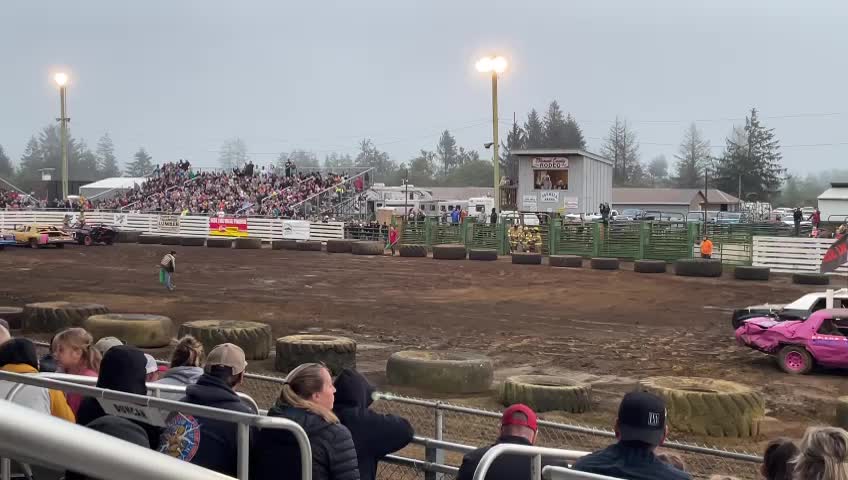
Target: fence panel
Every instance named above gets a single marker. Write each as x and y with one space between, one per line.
484 235
373 232
620 240
326 231
792 255
576 239
443 233
414 233
667 241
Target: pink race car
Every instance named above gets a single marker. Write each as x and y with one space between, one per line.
821 339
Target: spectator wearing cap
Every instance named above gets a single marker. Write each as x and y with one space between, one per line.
519 426
151 369
105 343
640 429
207 442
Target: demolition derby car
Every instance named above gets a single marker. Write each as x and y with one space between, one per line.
821 339
41 235
6 239
90 234
800 309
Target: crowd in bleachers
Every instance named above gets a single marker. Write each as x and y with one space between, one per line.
177 188
12 200
347 438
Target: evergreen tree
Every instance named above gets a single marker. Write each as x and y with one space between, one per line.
534 132
369 156
6 168
750 165
561 131
515 140
233 153
106 161
31 162
447 153
622 148
142 164
422 168
335 161
658 170
573 134
692 156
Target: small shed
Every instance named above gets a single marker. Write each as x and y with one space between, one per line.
833 203
673 200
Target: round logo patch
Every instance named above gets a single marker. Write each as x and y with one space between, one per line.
181 437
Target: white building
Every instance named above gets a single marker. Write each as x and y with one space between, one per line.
833 203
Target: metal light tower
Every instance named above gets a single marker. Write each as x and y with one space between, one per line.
494 65
62 80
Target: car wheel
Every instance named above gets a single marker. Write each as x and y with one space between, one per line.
795 360
33 243
88 240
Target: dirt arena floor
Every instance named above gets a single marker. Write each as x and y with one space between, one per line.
608 328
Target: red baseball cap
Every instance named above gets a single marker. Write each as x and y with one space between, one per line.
509 417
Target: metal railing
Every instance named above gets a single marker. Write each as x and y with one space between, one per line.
554 473
244 421
41 438
535 453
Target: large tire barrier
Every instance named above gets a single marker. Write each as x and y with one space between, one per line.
697 267
842 412
247 243
50 317
193 241
140 330
253 337
367 247
310 246
149 239
449 251
128 236
483 254
337 353
601 263
707 406
440 372
571 261
526 258
810 279
339 246
14 316
171 239
215 242
742 272
284 245
649 266
413 251
544 393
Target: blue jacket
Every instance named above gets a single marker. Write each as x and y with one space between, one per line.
455 216
630 461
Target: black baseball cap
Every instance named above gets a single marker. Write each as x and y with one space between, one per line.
641 417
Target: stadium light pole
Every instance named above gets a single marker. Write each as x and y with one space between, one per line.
62 81
494 65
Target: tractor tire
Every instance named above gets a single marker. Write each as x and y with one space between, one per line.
707 406
810 279
193 241
253 337
449 252
440 372
842 412
216 242
51 317
337 353
171 240
14 316
339 246
284 245
697 267
600 263
544 393
139 330
649 266
248 243
743 272
417 251
310 246
483 254
128 236
795 360
526 258
571 261
365 247
149 239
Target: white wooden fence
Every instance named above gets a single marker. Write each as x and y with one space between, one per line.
188 226
790 254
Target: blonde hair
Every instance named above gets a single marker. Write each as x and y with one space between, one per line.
187 353
824 455
300 384
81 340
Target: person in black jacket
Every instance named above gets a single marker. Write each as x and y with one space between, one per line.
307 399
374 435
519 425
209 443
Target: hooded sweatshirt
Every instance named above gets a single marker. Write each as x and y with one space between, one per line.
182 377
374 435
18 356
277 457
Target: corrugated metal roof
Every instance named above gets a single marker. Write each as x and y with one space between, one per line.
668 196
834 193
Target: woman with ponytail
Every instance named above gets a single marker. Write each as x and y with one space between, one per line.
307 398
824 455
75 354
186 366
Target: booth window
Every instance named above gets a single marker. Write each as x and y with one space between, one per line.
550 179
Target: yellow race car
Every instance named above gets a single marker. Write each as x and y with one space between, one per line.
41 236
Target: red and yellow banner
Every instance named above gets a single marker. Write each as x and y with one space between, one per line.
227 227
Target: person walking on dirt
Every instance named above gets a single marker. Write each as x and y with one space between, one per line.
167 267
706 247
393 238
797 216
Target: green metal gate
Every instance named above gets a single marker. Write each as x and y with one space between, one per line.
576 239
619 240
669 241
443 233
485 235
414 233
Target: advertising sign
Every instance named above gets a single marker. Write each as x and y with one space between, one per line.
529 203
119 219
227 227
550 163
169 223
550 196
295 230
571 202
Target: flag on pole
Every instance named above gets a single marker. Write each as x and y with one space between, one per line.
836 255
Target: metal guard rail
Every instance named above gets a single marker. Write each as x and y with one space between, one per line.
535 453
551 473
243 420
34 436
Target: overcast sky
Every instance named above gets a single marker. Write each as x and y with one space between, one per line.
181 77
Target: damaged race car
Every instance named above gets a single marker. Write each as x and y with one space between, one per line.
90 234
7 240
800 309
798 346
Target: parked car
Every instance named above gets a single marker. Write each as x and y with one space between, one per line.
41 235
6 239
821 339
90 234
800 309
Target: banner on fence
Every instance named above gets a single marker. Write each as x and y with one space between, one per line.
295 229
529 203
168 223
227 227
119 219
148 415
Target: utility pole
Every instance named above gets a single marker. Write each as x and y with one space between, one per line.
62 80
495 139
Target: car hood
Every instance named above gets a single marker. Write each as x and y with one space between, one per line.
765 306
764 333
